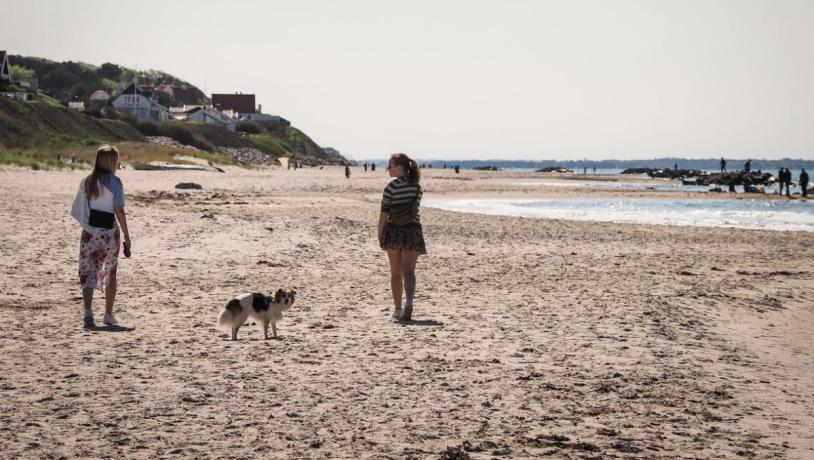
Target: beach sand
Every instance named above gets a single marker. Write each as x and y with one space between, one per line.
531 337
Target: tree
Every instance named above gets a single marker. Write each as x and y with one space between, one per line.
109 71
20 73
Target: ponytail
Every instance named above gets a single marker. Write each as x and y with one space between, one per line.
414 173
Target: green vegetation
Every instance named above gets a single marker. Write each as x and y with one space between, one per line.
36 132
42 134
82 157
43 122
70 81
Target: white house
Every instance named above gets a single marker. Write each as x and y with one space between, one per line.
78 106
5 67
139 103
203 114
210 116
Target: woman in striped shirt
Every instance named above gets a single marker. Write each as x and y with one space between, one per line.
403 243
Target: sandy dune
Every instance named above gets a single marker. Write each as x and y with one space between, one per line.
532 337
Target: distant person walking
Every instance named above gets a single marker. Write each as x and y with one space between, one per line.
372 167
788 182
347 172
747 167
723 165
804 182
781 179
99 209
400 232
365 166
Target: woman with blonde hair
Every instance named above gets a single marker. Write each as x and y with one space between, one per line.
400 232
99 208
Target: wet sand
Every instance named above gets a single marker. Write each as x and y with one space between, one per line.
531 337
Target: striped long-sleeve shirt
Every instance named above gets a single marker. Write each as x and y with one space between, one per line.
399 192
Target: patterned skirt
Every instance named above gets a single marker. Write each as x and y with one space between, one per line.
99 258
409 237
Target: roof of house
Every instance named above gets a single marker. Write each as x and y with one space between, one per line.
242 103
145 91
4 70
185 95
99 94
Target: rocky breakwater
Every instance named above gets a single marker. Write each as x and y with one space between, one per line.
697 177
250 155
168 142
554 170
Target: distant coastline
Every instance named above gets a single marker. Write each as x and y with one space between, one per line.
708 164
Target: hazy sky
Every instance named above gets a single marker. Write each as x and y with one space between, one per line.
473 79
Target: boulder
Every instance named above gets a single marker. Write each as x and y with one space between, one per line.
189 186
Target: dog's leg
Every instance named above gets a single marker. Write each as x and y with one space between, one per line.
266 329
234 332
274 329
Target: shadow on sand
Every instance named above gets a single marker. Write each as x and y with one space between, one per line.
420 322
107 328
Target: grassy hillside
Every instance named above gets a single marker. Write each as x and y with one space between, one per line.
43 134
82 157
281 141
43 122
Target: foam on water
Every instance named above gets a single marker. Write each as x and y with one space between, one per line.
754 214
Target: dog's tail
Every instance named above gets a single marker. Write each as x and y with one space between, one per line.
228 315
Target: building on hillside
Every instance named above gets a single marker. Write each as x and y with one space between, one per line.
5 67
238 102
139 102
99 96
79 106
211 116
203 114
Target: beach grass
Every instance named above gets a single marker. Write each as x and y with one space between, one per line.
83 156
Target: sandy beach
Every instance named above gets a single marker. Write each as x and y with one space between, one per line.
532 338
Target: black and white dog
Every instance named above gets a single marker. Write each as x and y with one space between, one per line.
263 308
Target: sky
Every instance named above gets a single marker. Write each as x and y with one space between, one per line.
510 79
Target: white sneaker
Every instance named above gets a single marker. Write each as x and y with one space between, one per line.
110 320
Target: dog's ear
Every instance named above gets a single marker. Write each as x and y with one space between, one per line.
278 296
293 293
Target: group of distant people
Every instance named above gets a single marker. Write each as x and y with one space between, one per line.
372 167
783 178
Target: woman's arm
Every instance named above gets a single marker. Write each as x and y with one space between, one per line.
122 218
382 220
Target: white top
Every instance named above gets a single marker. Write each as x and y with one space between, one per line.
103 202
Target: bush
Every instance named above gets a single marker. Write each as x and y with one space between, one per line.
249 127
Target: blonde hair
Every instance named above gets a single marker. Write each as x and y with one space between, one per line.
408 165
107 159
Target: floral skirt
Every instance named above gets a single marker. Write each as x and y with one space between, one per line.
99 258
408 237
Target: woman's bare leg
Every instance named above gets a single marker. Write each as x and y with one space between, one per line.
87 297
110 297
396 275
408 262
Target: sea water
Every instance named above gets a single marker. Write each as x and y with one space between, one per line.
795 215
